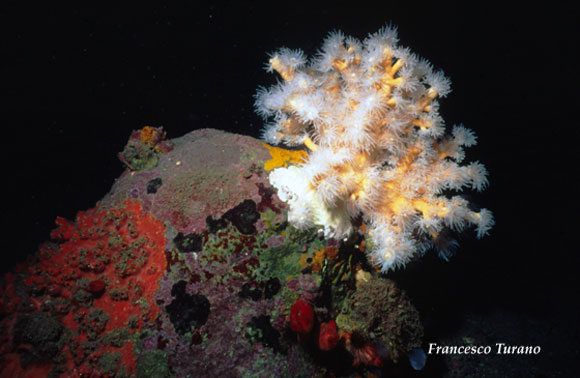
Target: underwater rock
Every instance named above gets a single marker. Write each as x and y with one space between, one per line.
187 267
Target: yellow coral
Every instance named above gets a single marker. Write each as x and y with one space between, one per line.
281 157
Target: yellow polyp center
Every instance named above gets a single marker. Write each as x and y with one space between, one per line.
286 73
353 104
424 124
398 204
422 206
361 160
332 89
294 103
430 209
339 64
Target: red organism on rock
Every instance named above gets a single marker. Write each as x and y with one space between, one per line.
362 351
301 317
98 280
328 336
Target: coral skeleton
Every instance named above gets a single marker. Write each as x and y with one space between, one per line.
368 114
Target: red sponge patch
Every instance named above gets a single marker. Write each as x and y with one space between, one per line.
99 279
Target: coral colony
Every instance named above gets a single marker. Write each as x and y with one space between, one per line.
368 113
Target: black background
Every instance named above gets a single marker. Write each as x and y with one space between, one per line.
76 80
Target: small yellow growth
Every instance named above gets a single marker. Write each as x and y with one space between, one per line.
304 259
284 71
362 277
281 157
339 64
316 264
330 252
150 135
362 246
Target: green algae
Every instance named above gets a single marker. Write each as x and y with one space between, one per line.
153 363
